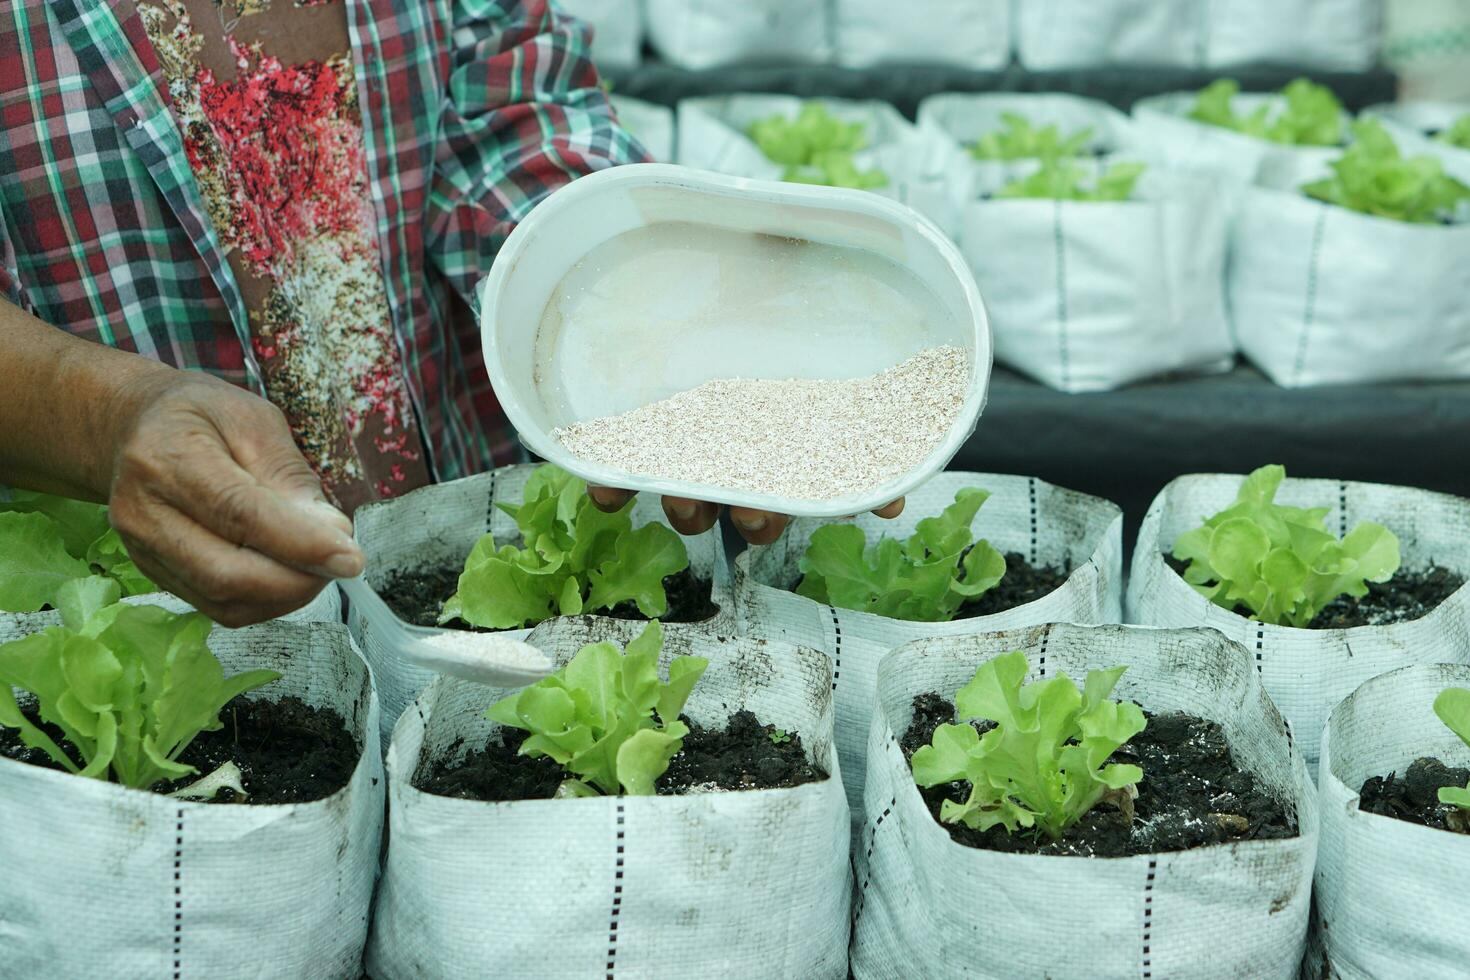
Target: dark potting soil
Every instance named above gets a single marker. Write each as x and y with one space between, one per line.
742 755
416 597
287 750
1192 794
1022 583
1414 796
1409 595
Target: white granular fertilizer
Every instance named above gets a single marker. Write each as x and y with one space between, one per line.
811 440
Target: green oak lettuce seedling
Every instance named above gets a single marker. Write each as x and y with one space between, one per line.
1457 134
923 579
1044 764
129 686
1062 180
1311 116
605 717
1373 177
1281 562
1019 140
48 541
1453 708
573 559
816 148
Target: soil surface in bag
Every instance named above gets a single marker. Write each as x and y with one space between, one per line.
288 751
1192 794
416 597
1409 595
743 755
1414 796
1022 583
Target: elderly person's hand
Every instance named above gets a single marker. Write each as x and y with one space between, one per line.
697 516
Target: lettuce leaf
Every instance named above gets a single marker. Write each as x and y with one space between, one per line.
47 541
816 148
1373 177
1310 116
1062 180
1019 140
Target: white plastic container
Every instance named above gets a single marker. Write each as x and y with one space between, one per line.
629 343
1385 891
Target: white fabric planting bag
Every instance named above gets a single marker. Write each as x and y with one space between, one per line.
1058 34
102 880
1092 295
1321 294
438 525
745 884
974 34
1388 891
1046 524
617 29
712 136
1308 671
1168 137
325 608
651 124
1343 35
710 33
927 906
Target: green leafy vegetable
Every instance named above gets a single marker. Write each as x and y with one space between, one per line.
1019 140
1457 134
1453 708
1044 762
816 148
780 736
1281 562
1311 116
1062 180
1372 177
605 717
129 686
574 558
47 541
926 579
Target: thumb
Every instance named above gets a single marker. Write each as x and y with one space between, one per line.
281 467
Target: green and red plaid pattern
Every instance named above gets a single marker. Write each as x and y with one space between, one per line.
472 110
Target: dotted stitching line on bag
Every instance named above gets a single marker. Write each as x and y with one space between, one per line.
872 842
1260 642
1309 313
617 902
1148 917
1061 294
178 892
490 504
1041 665
1032 488
1342 509
836 647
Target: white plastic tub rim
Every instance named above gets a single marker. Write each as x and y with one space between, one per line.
1089 296
326 607
1385 887
1047 524
436 526
714 136
591 210
196 889
717 884
927 906
1308 671
1321 294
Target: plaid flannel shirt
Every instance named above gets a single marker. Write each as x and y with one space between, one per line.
472 110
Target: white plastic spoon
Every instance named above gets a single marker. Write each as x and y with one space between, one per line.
483 658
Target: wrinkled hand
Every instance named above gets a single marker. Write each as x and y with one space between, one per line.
697 516
216 504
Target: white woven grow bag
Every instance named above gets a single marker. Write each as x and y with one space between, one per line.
1093 295
325 608
712 136
651 124
1168 137
1309 671
104 881
1058 34
1389 892
929 907
711 33
1045 523
974 34
1321 294
1342 35
746 884
439 525
617 29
